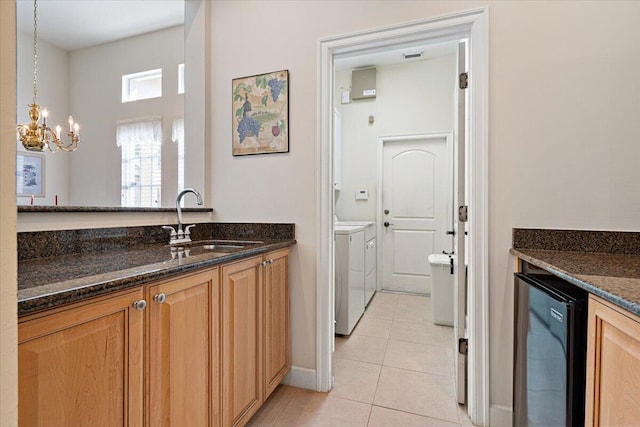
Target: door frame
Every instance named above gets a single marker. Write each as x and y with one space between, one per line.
448 139
474 25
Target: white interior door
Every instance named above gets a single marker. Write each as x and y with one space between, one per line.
416 193
460 270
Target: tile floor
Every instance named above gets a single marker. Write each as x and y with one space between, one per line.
396 369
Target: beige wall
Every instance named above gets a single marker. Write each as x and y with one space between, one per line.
564 133
8 288
564 129
96 73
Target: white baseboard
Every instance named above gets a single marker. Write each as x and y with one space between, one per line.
301 377
500 416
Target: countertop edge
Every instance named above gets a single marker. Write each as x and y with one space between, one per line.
45 302
581 283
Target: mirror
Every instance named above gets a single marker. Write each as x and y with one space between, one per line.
84 50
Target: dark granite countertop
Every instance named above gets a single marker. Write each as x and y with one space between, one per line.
66 266
45 283
606 264
101 209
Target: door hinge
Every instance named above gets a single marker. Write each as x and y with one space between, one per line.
463 346
463 80
462 213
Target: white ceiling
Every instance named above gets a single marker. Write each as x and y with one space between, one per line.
74 24
394 55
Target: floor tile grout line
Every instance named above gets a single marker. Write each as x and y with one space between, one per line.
295 391
442 347
420 415
419 372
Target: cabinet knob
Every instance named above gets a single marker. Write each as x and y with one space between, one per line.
264 263
140 305
160 298
271 261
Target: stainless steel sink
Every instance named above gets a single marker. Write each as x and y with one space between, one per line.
222 245
218 246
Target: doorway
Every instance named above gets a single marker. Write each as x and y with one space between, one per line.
471 25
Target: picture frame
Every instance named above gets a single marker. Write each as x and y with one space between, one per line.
30 175
260 114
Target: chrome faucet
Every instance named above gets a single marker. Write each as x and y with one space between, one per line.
182 236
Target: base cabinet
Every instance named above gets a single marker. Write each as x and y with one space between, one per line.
613 366
83 366
201 349
256 341
183 358
277 325
242 392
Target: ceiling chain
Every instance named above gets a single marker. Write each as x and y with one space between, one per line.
35 51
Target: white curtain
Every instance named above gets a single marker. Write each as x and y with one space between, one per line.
133 131
177 130
140 143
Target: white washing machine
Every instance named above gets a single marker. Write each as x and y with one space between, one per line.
349 276
370 254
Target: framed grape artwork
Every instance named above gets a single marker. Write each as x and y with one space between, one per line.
260 114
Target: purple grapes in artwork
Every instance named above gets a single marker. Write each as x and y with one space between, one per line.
275 85
248 126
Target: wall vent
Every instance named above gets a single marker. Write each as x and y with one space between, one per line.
363 83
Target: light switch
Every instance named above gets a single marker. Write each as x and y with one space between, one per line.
346 97
362 195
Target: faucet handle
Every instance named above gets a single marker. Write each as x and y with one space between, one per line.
173 230
187 231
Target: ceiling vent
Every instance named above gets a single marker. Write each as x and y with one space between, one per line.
412 55
363 83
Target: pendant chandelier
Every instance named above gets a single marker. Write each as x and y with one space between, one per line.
36 136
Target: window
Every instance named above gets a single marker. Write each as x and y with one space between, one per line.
143 85
177 136
141 179
180 78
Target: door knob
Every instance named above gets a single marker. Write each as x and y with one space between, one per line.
387 223
386 211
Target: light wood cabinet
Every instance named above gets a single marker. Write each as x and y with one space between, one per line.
613 366
183 357
82 365
242 392
256 343
277 326
207 350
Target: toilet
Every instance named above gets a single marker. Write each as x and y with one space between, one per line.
441 289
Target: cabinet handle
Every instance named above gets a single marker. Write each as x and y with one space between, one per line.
140 305
160 298
264 263
271 261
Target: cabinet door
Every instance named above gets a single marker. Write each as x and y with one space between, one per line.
613 366
82 366
277 335
183 343
242 392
